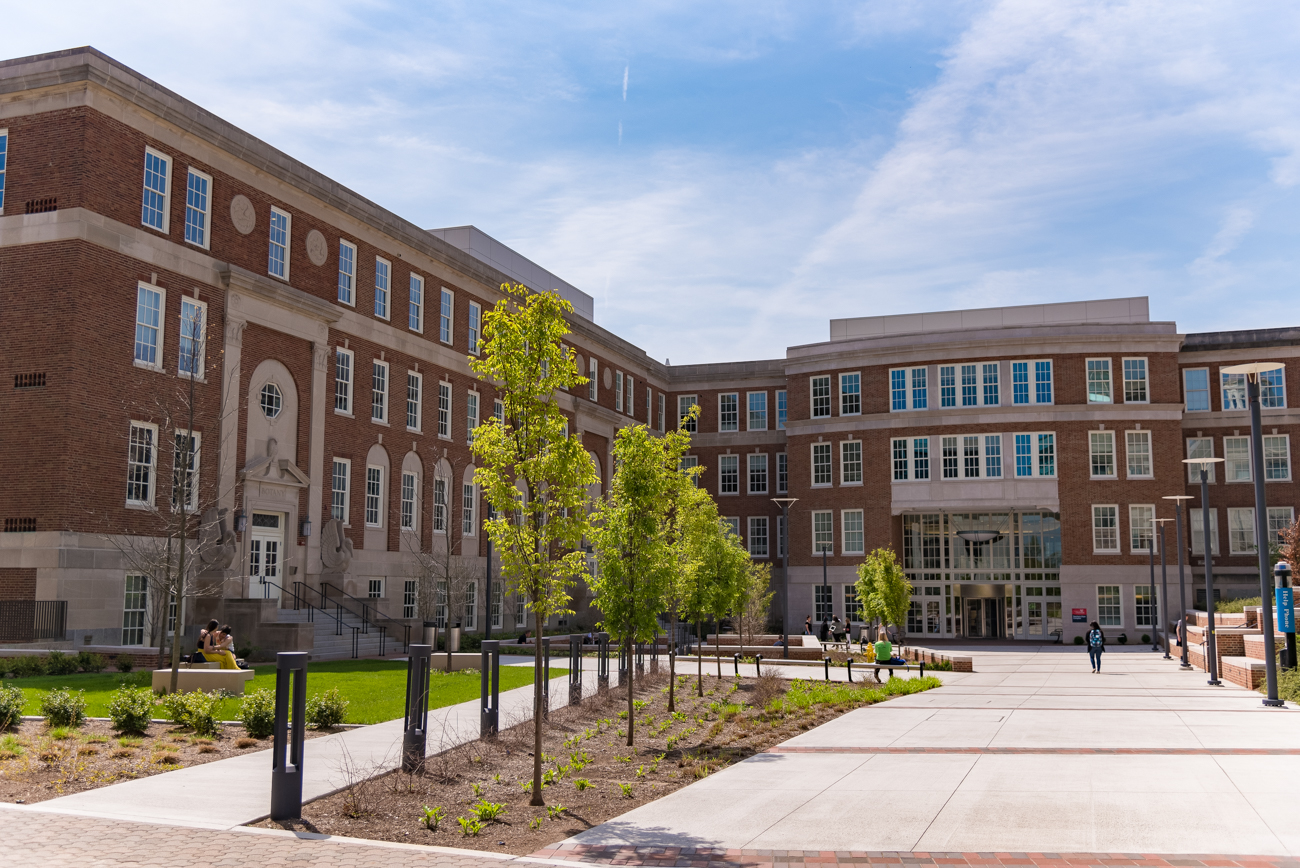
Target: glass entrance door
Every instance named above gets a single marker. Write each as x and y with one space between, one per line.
984 617
265 543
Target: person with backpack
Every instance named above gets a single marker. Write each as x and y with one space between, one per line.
1096 640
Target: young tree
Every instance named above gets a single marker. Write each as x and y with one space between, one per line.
684 498
635 560
730 569
531 470
884 592
706 539
753 600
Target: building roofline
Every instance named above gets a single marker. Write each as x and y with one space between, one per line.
1242 339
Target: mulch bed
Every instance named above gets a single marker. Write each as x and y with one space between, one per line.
583 746
35 765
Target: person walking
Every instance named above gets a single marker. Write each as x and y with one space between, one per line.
1096 645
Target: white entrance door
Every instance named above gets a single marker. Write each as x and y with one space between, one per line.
265 545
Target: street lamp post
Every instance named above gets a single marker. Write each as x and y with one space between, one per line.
1253 372
1182 590
1155 599
1164 586
826 590
1211 652
785 503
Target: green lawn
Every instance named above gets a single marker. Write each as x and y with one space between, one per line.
376 689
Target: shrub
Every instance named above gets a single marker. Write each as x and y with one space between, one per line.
90 662
64 708
1078 640
257 713
1123 638
25 667
131 708
11 706
469 827
197 710
1146 637
488 812
326 710
124 663
59 663
431 817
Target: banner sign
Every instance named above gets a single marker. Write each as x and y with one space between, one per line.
1285 610
1079 616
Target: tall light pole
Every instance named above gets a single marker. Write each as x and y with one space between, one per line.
1211 653
826 591
1253 372
1155 601
1164 586
785 503
1182 590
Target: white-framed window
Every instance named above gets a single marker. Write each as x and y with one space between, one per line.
498 411
1196 390
992 444
495 606
446 310
1236 459
733 526
1272 388
134 608
663 409
414 392
1200 447
1109 610
729 411
948 447
728 474
821 464
150 302
340 478
1241 531
374 496
186 451
471 415
198 207
618 391
521 610
192 346
410 588
991 374
1280 519
1101 454
1198 538
1099 386
823 531
1105 528
383 284
851 394
342 381
908 389
782 409
851 531
1277 457
4 156
277 254
851 462
141 462
1233 391
467 502
948 385
684 405
409 487
471 605
1137 453
757 473
593 381
347 272
444 410
758 543
823 607
475 338
1141 527
379 391
415 304
689 462
649 396
852 611
375 589
757 411
1031 382
898 458
910 456
1035 454
782 473
439 505
1143 606
1135 382
156 210
820 393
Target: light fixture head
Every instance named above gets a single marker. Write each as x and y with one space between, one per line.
1202 461
785 501
1177 497
1252 370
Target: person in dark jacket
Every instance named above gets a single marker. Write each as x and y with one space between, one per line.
1096 642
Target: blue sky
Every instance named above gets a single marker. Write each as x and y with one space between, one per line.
768 166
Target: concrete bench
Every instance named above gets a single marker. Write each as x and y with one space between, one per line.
876 667
188 680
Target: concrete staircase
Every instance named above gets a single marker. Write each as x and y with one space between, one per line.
332 643
1239 643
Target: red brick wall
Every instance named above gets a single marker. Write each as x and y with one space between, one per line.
17 584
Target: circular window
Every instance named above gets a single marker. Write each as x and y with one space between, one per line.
271 400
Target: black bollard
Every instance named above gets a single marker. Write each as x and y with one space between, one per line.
575 670
640 659
602 661
489 718
416 726
622 665
758 665
922 668
546 677
286 751
736 658
850 668
827 662
654 654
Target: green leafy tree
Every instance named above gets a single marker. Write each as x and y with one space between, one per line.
884 593
752 600
708 543
630 536
729 565
531 470
684 496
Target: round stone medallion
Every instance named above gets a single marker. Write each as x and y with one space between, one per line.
317 249
609 379
242 214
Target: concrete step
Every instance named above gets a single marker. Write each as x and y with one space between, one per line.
1242 671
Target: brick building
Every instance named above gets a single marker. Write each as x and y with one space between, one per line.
172 284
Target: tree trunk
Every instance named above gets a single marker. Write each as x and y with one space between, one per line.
631 708
699 661
537 799
717 645
672 662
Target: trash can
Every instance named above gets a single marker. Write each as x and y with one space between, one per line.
453 639
431 634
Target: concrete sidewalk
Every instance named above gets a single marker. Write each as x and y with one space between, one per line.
1032 752
235 791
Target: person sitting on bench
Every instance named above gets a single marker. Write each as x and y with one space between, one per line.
885 652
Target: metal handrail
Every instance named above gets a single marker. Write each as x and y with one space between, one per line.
365 616
311 611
